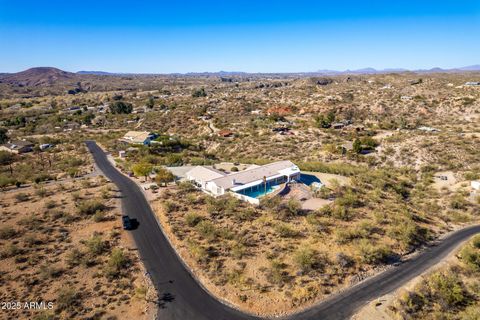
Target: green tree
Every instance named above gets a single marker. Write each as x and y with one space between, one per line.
6 158
164 176
142 169
199 93
118 107
357 146
150 102
3 135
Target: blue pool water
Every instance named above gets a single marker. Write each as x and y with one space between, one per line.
308 179
259 191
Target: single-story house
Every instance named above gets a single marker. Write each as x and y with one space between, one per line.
248 184
472 83
17 146
138 137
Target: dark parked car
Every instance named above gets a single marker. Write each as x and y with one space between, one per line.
127 223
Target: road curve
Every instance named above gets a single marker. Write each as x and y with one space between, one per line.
182 298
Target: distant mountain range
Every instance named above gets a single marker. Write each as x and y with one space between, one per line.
47 76
318 72
398 70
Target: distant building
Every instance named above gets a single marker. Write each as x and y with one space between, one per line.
428 129
475 184
225 133
138 137
406 98
17 146
472 83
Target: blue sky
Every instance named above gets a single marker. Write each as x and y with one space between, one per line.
251 36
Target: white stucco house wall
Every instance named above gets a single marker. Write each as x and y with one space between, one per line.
218 183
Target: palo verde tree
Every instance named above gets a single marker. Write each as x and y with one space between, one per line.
142 169
119 107
164 176
7 159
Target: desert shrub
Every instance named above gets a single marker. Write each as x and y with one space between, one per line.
293 206
406 232
458 202
74 257
206 229
49 271
90 207
470 313
198 251
11 250
344 236
42 177
447 289
412 302
284 230
50 204
169 206
22 197
99 216
192 219
238 250
31 222
186 187
244 214
348 199
338 212
471 257
306 259
41 192
373 254
7 233
270 202
76 196
67 299
117 262
476 242
276 274
335 168
344 260
5 181
96 245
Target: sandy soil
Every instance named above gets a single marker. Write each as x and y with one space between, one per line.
56 238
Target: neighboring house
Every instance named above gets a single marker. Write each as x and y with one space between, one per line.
428 129
475 184
225 133
248 185
138 137
17 146
46 146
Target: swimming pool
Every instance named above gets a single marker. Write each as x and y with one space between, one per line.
308 179
258 190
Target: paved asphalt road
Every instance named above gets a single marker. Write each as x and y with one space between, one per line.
182 298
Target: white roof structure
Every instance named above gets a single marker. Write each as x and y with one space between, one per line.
254 175
204 174
475 184
136 136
